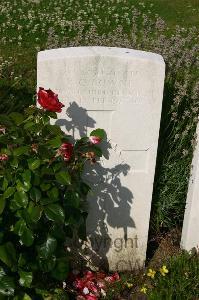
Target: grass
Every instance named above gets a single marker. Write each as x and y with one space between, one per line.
177 12
180 283
30 26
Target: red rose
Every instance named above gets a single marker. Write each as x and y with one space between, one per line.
3 157
94 139
66 150
49 100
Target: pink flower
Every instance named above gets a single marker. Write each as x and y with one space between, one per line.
112 278
79 283
66 150
94 139
101 284
91 297
116 276
3 157
89 275
91 286
49 100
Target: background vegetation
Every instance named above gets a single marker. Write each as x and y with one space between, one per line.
29 26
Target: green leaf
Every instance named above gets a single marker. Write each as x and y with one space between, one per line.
23 186
21 150
20 200
35 194
29 125
63 177
35 213
52 114
33 163
97 150
46 171
8 254
7 285
54 212
25 278
53 194
27 176
58 232
45 201
37 178
26 297
2 204
9 192
47 265
5 184
84 188
73 199
61 269
57 166
23 260
16 117
19 227
14 162
24 232
45 186
48 248
99 133
27 237
55 142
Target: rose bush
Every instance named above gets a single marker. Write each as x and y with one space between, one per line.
42 198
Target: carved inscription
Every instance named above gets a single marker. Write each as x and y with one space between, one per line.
103 86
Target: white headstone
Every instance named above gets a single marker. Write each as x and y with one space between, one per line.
119 90
190 231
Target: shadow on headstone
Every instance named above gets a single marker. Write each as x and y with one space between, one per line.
109 201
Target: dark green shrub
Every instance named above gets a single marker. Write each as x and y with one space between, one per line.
42 200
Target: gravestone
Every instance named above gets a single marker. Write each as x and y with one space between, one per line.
119 90
190 231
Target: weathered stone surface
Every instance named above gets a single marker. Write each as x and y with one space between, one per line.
190 232
119 90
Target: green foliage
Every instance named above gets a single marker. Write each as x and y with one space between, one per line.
37 190
182 281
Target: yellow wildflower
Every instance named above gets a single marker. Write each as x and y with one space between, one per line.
129 285
151 273
143 290
164 270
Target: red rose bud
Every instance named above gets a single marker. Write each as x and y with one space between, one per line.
66 150
2 129
49 100
3 157
94 139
